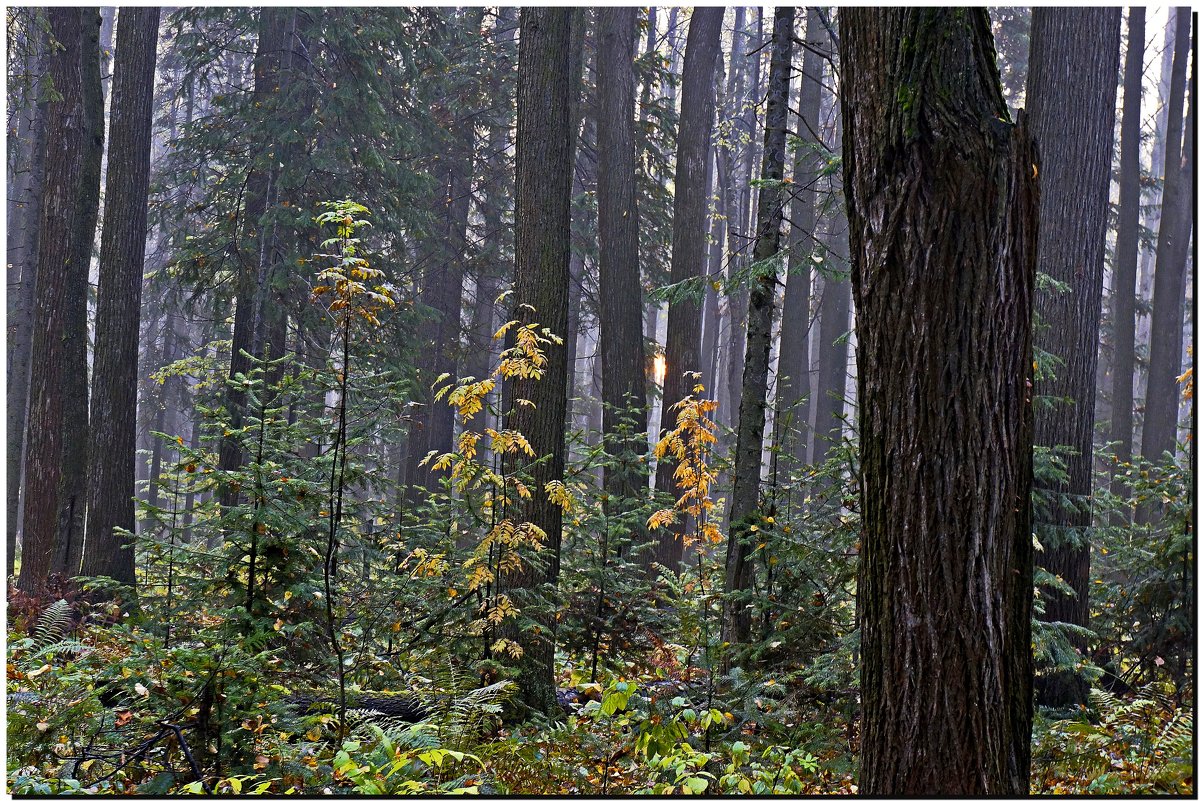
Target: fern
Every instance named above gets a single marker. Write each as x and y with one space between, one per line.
52 624
465 714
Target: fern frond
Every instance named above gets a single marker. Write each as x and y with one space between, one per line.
53 623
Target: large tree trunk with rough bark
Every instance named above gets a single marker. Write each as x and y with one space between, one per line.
122 255
942 211
544 150
57 267
751 421
692 176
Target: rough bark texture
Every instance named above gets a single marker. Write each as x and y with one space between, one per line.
622 346
24 210
66 127
692 176
751 421
1074 61
1124 277
122 255
68 546
1165 342
942 211
794 377
543 162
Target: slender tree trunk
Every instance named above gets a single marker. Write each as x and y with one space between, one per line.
1074 62
122 254
794 376
747 468
58 264
1165 344
621 345
729 157
1124 278
832 349
942 212
1153 213
544 150
692 178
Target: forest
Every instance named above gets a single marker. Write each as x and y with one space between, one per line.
604 401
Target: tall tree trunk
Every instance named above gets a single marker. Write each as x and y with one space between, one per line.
543 164
122 255
1124 278
68 547
1165 344
1074 60
621 345
692 176
942 213
747 467
794 376
57 268
24 215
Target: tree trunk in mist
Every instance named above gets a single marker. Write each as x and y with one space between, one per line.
24 212
942 211
273 26
1169 274
622 346
832 348
794 377
544 149
1124 277
692 177
751 421
57 268
728 160
1074 59
122 255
